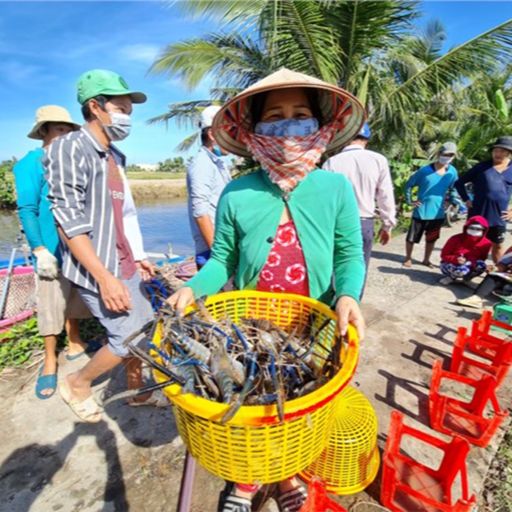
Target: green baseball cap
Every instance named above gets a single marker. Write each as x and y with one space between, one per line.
101 81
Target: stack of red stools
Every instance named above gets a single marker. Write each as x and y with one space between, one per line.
480 362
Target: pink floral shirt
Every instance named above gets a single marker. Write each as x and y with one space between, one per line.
285 269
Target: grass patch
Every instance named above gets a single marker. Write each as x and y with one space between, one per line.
19 344
497 495
22 342
155 175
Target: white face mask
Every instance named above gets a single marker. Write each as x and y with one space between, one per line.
119 127
475 232
445 160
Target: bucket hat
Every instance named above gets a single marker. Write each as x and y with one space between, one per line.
102 81
235 115
50 114
448 147
504 142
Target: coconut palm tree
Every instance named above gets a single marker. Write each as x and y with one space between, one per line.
368 47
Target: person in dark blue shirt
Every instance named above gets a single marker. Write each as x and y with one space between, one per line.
492 190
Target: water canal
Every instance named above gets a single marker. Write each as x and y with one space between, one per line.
161 222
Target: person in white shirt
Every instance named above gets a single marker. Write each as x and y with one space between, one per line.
369 174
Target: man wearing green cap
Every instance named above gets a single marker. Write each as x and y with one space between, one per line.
94 209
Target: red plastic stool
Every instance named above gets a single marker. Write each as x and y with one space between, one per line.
495 358
408 485
318 500
486 322
466 419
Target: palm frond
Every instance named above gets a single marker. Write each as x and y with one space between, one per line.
299 38
366 26
224 94
225 10
231 60
187 143
484 52
184 114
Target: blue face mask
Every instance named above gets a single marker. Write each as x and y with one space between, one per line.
287 127
217 151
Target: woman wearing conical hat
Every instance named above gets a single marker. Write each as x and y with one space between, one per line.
289 227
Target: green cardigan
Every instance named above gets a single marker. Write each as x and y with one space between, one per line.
324 209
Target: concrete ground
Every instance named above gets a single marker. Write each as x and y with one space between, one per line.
132 460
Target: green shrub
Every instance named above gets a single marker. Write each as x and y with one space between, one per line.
7 190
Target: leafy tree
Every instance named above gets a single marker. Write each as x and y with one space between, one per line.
416 95
369 47
134 168
7 190
176 164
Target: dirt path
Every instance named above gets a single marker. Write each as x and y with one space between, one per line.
132 461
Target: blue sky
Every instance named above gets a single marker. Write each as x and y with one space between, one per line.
45 46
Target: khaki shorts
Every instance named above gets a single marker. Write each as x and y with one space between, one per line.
57 300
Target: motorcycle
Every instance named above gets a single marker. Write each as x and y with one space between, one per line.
456 208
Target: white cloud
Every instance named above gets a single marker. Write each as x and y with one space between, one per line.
143 53
19 73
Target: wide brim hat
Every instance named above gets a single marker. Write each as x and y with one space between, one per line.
235 115
50 114
504 142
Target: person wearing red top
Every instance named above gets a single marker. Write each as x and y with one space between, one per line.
463 256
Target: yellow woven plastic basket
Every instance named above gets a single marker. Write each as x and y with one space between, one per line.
254 447
351 459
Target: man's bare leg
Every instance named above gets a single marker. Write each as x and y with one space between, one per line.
497 252
75 343
50 359
133 368
429 247
79 382
408 254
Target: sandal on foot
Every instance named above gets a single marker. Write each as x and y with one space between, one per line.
428 264
471 302
236 504
155 400
45 382
92 346
73 357
87 410
292 501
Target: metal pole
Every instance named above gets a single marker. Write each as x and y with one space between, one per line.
5 291
187 484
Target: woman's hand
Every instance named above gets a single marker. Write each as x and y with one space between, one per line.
348 311
181 299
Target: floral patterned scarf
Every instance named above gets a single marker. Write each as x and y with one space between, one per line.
288 160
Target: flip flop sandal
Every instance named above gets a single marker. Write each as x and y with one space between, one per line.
92 346
236 504
292 501
87 410
74 357
45 382
155 400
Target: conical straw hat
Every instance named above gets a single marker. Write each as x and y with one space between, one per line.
235 114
